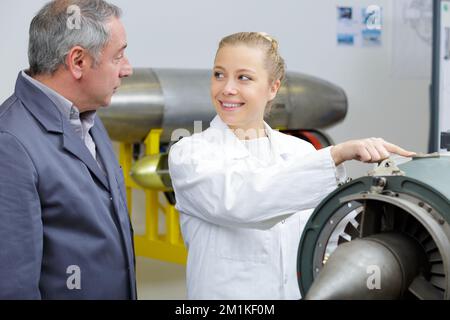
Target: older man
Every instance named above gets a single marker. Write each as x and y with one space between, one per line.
64 227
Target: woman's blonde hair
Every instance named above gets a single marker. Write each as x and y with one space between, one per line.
274 62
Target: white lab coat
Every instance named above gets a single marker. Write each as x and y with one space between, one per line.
242 221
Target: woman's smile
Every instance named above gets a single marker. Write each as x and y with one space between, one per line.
231 105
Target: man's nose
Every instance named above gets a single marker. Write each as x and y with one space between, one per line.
126 70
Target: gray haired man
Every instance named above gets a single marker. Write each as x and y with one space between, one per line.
64 227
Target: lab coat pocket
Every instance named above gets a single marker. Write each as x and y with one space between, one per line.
243 244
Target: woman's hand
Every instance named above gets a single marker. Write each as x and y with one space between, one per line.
366 150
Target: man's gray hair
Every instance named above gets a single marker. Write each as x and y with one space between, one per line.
62 24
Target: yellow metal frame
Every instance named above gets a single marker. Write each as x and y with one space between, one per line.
168 246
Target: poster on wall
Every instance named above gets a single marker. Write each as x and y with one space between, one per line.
359 26
412 36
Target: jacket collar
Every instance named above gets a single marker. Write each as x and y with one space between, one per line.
51 118
39 104
220 131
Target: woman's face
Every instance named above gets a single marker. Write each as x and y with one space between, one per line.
240 87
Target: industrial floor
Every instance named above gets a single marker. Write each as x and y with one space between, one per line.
158 280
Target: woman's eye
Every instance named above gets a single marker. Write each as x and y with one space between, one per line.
218 75
245 78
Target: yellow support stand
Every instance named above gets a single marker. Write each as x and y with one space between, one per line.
166 246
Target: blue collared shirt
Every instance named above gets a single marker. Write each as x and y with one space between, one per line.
81 123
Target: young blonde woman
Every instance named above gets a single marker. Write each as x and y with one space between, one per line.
245 191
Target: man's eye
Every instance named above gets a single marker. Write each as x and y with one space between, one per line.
218 75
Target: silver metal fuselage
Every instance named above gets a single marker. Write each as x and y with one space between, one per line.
175 98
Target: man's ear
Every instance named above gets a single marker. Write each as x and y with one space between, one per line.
274 89
77 60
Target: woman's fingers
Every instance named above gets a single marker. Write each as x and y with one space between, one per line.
363 154
380 149
398 150
375 148
367 150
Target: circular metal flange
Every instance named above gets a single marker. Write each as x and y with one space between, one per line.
338 218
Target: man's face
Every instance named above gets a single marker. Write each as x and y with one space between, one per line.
101 81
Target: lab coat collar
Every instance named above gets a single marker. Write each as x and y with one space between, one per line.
236 149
